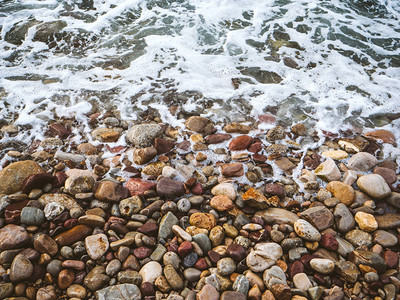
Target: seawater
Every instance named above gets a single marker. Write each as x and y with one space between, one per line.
221 59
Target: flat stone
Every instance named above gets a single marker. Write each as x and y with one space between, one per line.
96 245
319 216
137 186
47 293
6 290
111 191
388 221
274 275
241 142
231 295
374 185
13 176
388 174
381 136
200 125
256 199
362 162
96 280
384 238
344 246
119 291
335 154
79 184
203 220
232 170
394 200
227 189
13 237
62 199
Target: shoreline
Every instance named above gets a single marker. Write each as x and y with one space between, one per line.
229 211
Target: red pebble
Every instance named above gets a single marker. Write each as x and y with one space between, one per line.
142 252
391 258
201 264
295 268
185 248
198 189
256 147
240 143
329 242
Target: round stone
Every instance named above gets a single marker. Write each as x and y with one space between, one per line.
263 256
374 185
52 210
32 216
190 260
321 265
226 266
184 205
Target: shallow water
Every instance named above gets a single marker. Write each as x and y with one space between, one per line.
222 59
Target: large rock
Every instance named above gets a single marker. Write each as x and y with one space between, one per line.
362 162
119 291
12 176
374 185
143 135
13 237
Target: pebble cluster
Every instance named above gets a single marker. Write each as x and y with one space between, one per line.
205 212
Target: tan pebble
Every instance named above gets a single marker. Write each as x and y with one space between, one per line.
366 221
312 246
221 203
193 230
197 138
335 154
203 220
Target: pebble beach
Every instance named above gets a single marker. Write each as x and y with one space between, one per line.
146 210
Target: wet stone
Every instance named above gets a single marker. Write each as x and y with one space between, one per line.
32 216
